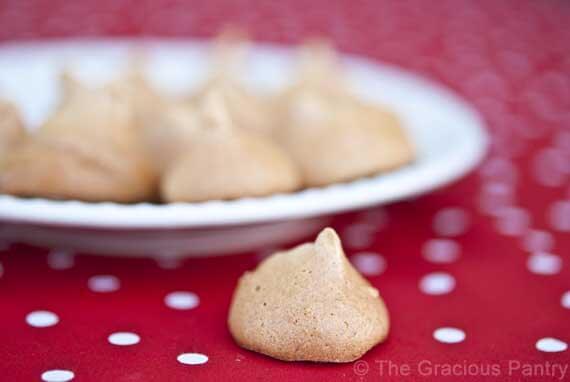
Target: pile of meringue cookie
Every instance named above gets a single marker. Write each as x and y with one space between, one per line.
124 142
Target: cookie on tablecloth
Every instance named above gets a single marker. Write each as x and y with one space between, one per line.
308 304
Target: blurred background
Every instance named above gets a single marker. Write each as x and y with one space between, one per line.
489 52
510 59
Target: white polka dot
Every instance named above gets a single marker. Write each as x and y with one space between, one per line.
42 319
543 263
565 300
60 259
562 140
538 241
541 98
378 218
522 127
169 258
359 235
192 358
57 375
168 262
495 196
182 300
451 221
559 215
549 167
512 221
551 345
506 142
369 263
485 82
437 283
103 283
441 251
516 64
449 335
500 169
124 338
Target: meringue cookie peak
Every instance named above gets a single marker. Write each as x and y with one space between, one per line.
329 255
224 161
308 304
215 113
87 150
229 53
250 111
320 67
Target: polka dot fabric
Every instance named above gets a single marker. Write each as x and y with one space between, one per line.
477 273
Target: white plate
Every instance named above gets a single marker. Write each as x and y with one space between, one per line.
447 133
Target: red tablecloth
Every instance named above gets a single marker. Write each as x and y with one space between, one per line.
493 231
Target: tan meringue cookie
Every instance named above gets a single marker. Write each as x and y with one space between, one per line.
169 132
308 304
131 85
70 87
251 111
12 130
333 136
319 68
89 149
134 86
95 113
47 168
165 124
397 148
226 162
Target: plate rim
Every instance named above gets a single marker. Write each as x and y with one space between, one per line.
253 210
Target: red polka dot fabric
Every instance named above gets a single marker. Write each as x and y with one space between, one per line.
476 276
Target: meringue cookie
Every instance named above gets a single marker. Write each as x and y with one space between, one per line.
226 162
248 110
308 304
334 137
88 149
169 132
133 86
320 68
334 140
51 169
